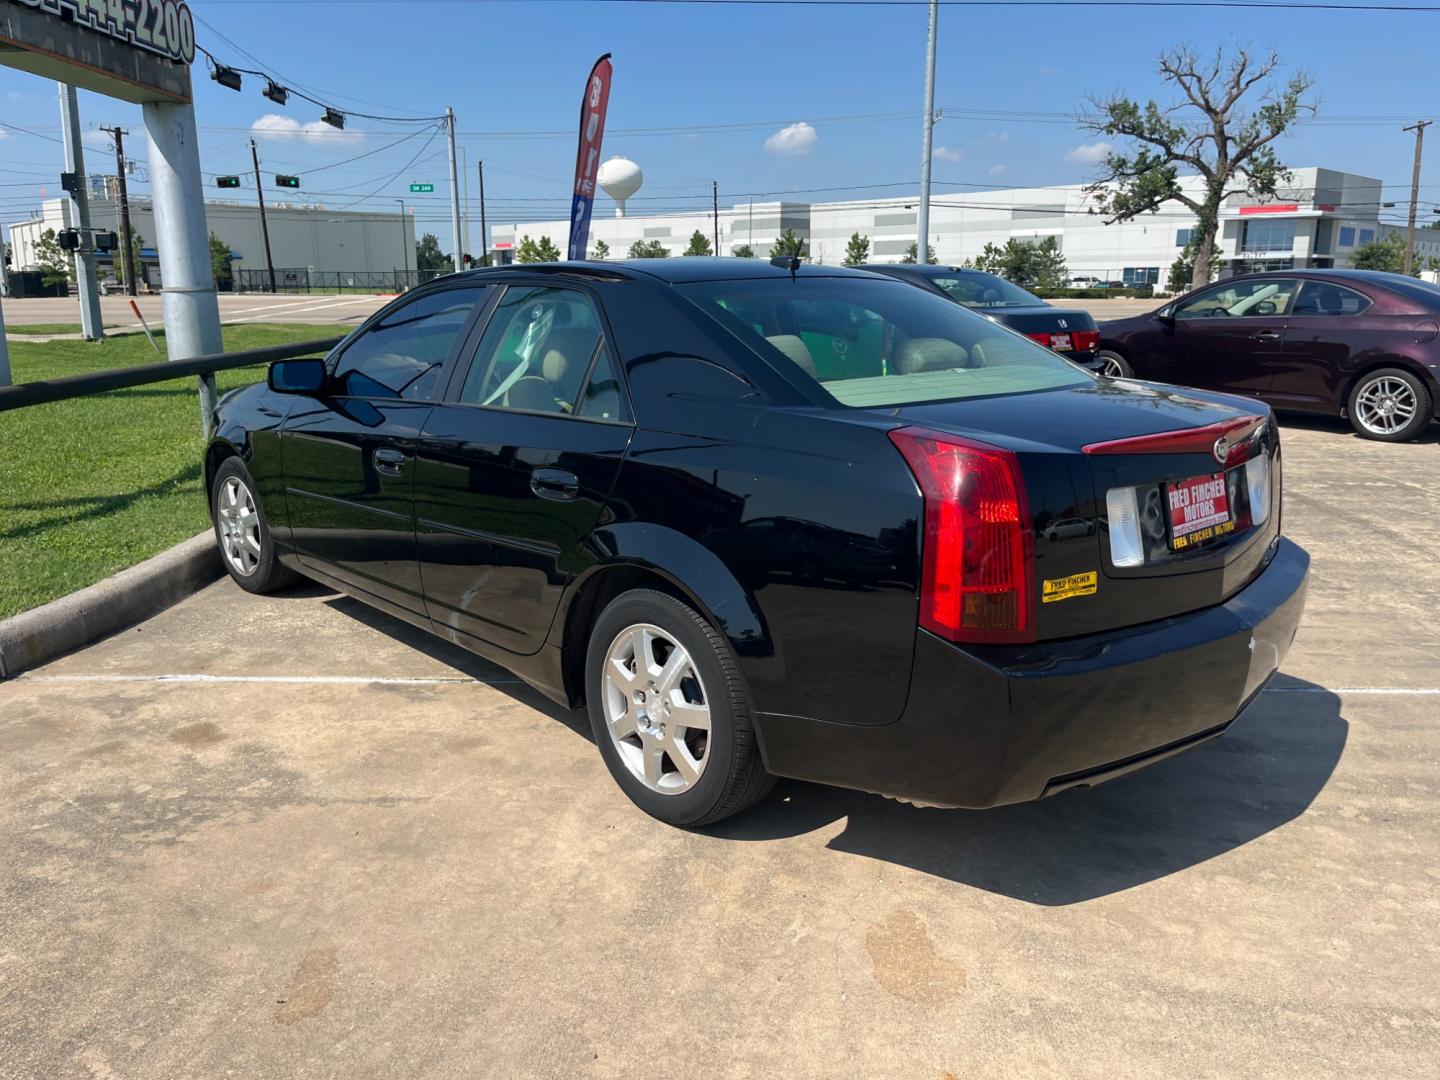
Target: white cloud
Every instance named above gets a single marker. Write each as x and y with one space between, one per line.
949 153
794 139
276 126
4 134
1088 153
995 170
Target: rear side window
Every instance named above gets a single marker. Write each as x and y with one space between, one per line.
871 342
1324 298
402 355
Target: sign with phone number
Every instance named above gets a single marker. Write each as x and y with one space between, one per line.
164 27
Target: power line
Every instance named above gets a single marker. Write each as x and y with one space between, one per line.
1250 5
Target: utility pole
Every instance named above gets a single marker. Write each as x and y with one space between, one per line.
4 349
1419 129
84 254
404 245
264 226
454 190
922 216
715 211
484 233
465 199
126 249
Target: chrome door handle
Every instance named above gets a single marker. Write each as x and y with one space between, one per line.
559 484
1266 335
390 462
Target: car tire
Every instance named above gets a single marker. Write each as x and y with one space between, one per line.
243 532
682 773
1113 365
1389 404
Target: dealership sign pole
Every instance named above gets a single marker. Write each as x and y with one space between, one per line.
141 53
587 158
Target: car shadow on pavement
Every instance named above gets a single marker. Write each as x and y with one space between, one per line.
1341 427
1085 844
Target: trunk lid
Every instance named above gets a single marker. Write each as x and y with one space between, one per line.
1081 583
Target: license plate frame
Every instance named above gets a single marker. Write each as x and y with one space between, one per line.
1199 510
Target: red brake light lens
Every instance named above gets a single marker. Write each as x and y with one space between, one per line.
978 558
1086 340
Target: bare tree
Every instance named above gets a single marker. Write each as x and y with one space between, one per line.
1229 147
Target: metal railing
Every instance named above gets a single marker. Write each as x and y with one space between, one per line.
304 280
100 382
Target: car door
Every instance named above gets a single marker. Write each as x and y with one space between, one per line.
348 455
1229 336
1327 324
513 468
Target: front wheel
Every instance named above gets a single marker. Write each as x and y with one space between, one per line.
1114 366
243 531
1391 405
669 711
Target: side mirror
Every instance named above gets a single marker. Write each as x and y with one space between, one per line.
297 376
1166 314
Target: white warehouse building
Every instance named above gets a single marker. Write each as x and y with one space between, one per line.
303 237
1316 220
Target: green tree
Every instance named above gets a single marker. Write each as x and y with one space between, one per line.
1387 253
699 244
743 251
857 251
547 251
1205 131
1028 264
1182 270
914 248
220 262
602 250
55 263
788 244
428 255
648 249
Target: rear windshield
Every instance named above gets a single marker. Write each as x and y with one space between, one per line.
976 289
871 342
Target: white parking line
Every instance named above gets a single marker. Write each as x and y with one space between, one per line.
340 680
277 312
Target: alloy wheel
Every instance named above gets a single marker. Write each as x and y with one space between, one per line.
656 709
238 522
1385 405
1110 368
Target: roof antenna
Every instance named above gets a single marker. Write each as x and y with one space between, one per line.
787 262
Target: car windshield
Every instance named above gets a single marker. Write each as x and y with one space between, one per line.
872 343
976 289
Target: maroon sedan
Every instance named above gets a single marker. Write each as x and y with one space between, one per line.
1352 343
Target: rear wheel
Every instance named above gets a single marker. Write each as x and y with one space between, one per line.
1390 404
243 532
669 711
1113 365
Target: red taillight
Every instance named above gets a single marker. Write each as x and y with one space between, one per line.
978 557
1086 340
1043 339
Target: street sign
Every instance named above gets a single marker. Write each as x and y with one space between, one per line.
422 189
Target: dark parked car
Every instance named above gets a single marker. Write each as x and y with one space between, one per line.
1069 331
1353 343
794 521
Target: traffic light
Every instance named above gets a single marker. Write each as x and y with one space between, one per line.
227 181
69 239
70 182
282 180
106 240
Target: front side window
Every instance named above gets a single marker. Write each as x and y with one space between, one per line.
535 352
1256 298
402 355
981 290
875 343
1323 298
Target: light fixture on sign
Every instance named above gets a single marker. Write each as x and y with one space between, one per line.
334 118
227 77
275 92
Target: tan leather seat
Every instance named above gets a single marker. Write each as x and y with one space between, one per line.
795 348
563 360
929 354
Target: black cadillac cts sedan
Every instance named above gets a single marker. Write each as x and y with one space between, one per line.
779 520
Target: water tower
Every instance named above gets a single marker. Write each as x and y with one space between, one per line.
620 178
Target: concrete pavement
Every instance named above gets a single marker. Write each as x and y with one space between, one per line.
291 837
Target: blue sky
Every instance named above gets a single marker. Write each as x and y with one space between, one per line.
511 67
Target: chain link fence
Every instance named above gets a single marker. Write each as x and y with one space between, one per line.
305 280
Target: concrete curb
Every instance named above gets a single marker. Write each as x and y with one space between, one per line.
35 637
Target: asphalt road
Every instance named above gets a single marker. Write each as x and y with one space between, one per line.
291 837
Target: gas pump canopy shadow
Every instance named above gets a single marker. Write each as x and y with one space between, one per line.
141 53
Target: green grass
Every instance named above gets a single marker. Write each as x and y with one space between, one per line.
48 328
93 485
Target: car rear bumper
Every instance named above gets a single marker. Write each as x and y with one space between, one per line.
994 725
